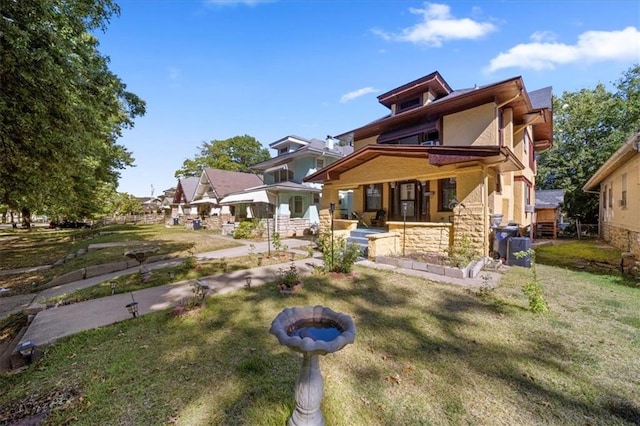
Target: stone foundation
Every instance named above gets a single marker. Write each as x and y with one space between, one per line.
623 239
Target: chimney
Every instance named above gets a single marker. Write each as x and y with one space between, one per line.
329 142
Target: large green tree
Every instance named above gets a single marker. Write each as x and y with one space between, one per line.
589 125
61 108
236 154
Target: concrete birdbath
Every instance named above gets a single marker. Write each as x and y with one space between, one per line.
312 331
142 255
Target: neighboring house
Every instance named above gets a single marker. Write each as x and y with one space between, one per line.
617 182
292 203
215 184
150 205
441 164
548 209
182 198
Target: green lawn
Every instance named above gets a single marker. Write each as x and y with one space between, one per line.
425 353
43 247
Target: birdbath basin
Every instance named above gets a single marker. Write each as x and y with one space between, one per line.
312 331
141 255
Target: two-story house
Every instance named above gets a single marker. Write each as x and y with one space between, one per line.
441 164
283 195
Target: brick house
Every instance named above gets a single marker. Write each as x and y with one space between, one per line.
441 164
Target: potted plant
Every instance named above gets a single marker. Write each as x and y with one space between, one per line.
289 280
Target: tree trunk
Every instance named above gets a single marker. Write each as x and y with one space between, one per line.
26 218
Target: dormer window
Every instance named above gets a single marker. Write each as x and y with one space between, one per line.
283 150
408 104
319 163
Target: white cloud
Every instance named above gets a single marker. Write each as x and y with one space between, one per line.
592 46
437 26
356 94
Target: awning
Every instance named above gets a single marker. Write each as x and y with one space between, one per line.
205 201
276 168
249 197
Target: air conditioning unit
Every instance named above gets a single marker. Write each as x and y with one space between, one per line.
529 208
430 143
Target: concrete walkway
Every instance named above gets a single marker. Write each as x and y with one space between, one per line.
51 324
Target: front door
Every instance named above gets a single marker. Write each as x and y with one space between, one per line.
409 201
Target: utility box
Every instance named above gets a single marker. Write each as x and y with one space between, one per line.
515 245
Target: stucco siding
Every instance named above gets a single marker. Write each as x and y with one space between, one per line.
624 217
364 142
476 126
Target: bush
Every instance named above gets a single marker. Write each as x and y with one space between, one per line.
342 257
249 229
461 253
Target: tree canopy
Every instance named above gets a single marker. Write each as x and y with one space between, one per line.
589 125
61 108
235 154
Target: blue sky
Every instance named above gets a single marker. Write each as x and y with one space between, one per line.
216 69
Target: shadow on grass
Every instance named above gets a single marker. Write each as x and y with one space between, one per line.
219 365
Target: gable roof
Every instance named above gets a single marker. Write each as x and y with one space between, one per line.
549 198
186 189
628 150
225 182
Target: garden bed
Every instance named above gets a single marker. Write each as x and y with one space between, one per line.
435 265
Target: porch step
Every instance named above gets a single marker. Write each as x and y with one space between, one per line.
360 236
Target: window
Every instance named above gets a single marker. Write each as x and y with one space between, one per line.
499 183
408 104
315 198
604 197
611 196
319 163
295 204
283 150
446 194
373 197
282 175
623 199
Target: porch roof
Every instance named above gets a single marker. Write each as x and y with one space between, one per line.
501 158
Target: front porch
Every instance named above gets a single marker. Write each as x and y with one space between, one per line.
396 239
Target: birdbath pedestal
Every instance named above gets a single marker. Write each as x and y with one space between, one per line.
141 255
312 331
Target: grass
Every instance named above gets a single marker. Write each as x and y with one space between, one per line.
425 353
44 247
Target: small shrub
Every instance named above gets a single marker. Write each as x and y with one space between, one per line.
532 289
461 253
288 276
339 256
248 229
189 263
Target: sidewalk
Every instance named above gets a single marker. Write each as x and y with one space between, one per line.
54 323
51 324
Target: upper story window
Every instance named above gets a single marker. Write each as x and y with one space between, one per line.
408 104
283 175
319 163
283 150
